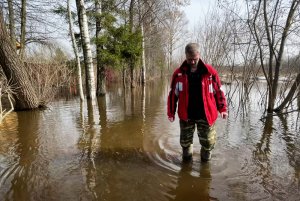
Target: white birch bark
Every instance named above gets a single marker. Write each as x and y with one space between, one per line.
87 52
143 70
143 55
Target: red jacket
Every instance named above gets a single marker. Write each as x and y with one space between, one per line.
213 97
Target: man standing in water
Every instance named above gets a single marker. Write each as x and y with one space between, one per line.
196 87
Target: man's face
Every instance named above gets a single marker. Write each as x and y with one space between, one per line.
192 59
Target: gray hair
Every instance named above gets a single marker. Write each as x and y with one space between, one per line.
192 48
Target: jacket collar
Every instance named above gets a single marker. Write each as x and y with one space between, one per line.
201 65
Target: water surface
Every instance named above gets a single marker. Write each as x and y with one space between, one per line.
123 147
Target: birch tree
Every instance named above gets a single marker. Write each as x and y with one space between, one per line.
153 36
143 68
86 47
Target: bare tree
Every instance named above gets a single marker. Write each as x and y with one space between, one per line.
272 23
153 38
34 23
175 28
216 38
48 74
154 23
262 34
15 71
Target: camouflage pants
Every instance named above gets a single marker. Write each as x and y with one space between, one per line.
206 133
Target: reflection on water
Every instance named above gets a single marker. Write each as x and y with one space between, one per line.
122 147
191 187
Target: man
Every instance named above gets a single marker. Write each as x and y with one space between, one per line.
196 88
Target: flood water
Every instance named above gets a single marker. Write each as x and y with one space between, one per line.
124 148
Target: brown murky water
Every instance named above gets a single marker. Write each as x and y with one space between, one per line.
124 148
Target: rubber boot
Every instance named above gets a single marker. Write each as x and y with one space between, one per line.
205 155
187 153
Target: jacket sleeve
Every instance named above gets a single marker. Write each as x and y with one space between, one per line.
172 97
219 94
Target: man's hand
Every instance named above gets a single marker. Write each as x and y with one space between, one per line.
224 115
171 119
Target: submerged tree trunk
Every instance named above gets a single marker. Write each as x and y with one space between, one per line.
24 94
124 76
266 17
87 52
101 77
75 49
290 95
284 35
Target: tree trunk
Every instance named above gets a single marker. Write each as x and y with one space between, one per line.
290 95
102 112
12 32
124 76
14 69
132 81
143 56
75 49
272 95
87 53
101 78
23 29
298 98
289 21
143 69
